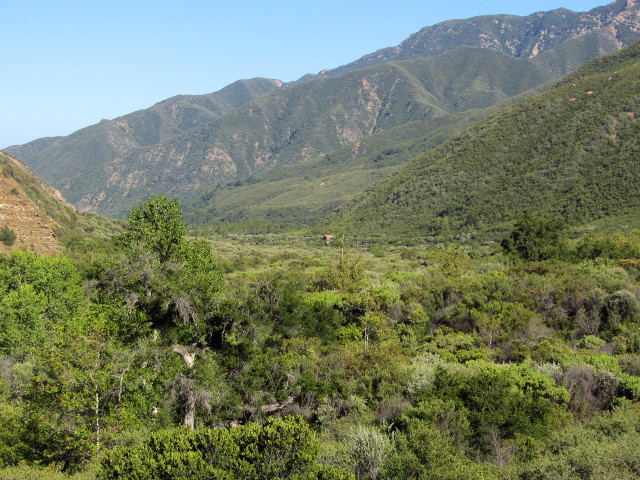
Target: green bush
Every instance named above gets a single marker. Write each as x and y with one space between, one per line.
281 448
7 236
536 239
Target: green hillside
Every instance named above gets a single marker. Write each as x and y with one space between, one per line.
569 153
45 207
302 195
61 161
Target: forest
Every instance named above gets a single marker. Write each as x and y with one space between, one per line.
151 353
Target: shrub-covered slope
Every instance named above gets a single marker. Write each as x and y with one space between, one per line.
36 214
302 195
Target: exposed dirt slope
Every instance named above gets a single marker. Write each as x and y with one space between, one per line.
17 212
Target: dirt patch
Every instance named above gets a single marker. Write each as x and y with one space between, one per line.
23 218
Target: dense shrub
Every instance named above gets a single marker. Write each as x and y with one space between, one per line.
7 236
281 448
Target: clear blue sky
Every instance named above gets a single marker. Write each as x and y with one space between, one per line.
69 64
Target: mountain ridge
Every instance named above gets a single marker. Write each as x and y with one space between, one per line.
616 19
291 124
83 151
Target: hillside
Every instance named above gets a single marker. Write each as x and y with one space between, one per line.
38 214
187 146
28 209
289 125
569 153
77 156
111 138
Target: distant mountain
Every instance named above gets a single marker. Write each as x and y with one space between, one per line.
65 160
560 40
103 168
569 153
187 146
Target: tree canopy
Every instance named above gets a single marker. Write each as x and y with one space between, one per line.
157 223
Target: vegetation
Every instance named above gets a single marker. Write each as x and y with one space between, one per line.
286 358
281 448
7 236
145 353
303 195
535 239
61 216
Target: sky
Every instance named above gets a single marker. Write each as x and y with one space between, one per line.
68 64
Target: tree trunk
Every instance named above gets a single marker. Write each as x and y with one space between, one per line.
188 357
190 409
190 394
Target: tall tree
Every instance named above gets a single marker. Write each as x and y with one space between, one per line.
158 225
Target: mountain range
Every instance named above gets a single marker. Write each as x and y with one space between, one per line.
360 121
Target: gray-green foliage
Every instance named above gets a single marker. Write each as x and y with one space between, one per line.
367 449
621 307
282 448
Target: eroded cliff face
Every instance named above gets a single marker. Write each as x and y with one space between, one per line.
33 232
